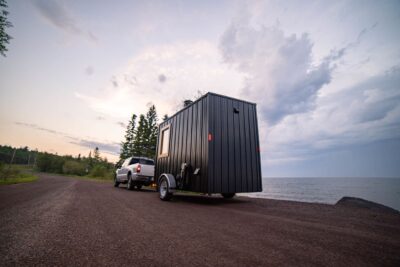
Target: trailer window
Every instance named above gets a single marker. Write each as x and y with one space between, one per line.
164 144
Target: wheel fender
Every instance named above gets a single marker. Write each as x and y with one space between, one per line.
170 180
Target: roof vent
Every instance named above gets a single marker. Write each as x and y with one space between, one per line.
187 103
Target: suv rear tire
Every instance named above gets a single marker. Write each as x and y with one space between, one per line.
116 183
129 185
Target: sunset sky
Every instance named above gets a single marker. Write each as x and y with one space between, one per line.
325 76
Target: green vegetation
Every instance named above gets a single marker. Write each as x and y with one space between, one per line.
4 23
92 167
15 174
141 139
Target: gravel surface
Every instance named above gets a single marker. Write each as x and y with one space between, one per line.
72 222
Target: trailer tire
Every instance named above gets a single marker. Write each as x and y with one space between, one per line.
139 186
228 195
163 190
129 184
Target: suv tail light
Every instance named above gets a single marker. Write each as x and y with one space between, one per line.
138 168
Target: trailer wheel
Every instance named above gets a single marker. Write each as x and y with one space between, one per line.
116 183
139 186
165 194
129 185
228 195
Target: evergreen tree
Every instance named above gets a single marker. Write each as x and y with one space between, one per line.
151 132
90 160
4 23
127 146
139 143
96 155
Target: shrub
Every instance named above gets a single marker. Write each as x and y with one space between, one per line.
74 167
99 171
9 172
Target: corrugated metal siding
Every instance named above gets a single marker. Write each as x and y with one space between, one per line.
230 162
188 143
234 158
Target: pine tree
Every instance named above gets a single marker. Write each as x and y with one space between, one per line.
90 160
127 146
96 155
151 132
139 142
4 23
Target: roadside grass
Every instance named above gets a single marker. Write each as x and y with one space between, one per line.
22 178
16 174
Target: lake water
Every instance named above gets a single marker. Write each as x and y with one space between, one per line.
385 191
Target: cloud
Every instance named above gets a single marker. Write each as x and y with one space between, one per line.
366 112
56 13
111 148
89 70
108 147
36 127
114 81
305 108
188 66
162 78
120 123
278 68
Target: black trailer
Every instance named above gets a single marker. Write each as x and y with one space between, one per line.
210 146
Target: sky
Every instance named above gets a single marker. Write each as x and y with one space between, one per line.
325 76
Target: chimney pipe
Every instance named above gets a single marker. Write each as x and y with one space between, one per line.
187 103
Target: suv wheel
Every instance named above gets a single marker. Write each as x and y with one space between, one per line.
165 194
116 183
129 185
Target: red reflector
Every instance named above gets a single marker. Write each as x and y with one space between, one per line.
209 137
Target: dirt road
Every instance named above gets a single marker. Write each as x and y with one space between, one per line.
67 221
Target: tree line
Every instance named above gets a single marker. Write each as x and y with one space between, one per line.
141 136
92 165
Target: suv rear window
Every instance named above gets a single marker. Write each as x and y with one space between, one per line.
146 161
134 161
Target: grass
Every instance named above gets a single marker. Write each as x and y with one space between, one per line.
16 174
21 178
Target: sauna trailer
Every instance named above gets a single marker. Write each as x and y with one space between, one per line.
211 146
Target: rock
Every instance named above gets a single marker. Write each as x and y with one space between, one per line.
362 203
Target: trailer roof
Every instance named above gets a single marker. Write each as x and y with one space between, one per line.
203 96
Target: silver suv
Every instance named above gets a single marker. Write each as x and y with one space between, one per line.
135 172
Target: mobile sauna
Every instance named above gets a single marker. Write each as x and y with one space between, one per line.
210 146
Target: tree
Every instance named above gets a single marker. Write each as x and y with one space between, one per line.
139 142
96 154
90 160
127 145
4 23
151 132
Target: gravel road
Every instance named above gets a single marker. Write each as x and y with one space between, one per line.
72 222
